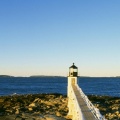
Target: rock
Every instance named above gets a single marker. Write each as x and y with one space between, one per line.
53 117
32 105
1 100
115 108
58 113
17 111
36 100
69 117
49 103
117 112
30 109
118 115
9 111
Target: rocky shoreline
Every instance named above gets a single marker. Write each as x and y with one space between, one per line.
51 107
108 106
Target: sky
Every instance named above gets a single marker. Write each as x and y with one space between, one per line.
44 37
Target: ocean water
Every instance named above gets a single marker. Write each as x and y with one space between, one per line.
32 85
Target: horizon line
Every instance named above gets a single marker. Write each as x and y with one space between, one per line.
51 76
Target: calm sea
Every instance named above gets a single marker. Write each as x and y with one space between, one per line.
31 85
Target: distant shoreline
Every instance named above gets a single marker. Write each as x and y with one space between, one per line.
38 76
35 76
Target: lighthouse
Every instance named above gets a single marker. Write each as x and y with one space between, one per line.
72 77
72 81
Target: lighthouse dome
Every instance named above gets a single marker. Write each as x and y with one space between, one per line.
73 66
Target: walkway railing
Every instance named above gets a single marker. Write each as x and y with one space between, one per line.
92 108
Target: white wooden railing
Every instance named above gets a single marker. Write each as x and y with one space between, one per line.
92 108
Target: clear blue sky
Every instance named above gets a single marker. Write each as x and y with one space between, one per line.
44 37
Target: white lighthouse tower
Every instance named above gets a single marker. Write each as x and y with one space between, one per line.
72 80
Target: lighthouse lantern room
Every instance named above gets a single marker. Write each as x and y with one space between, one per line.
73 71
